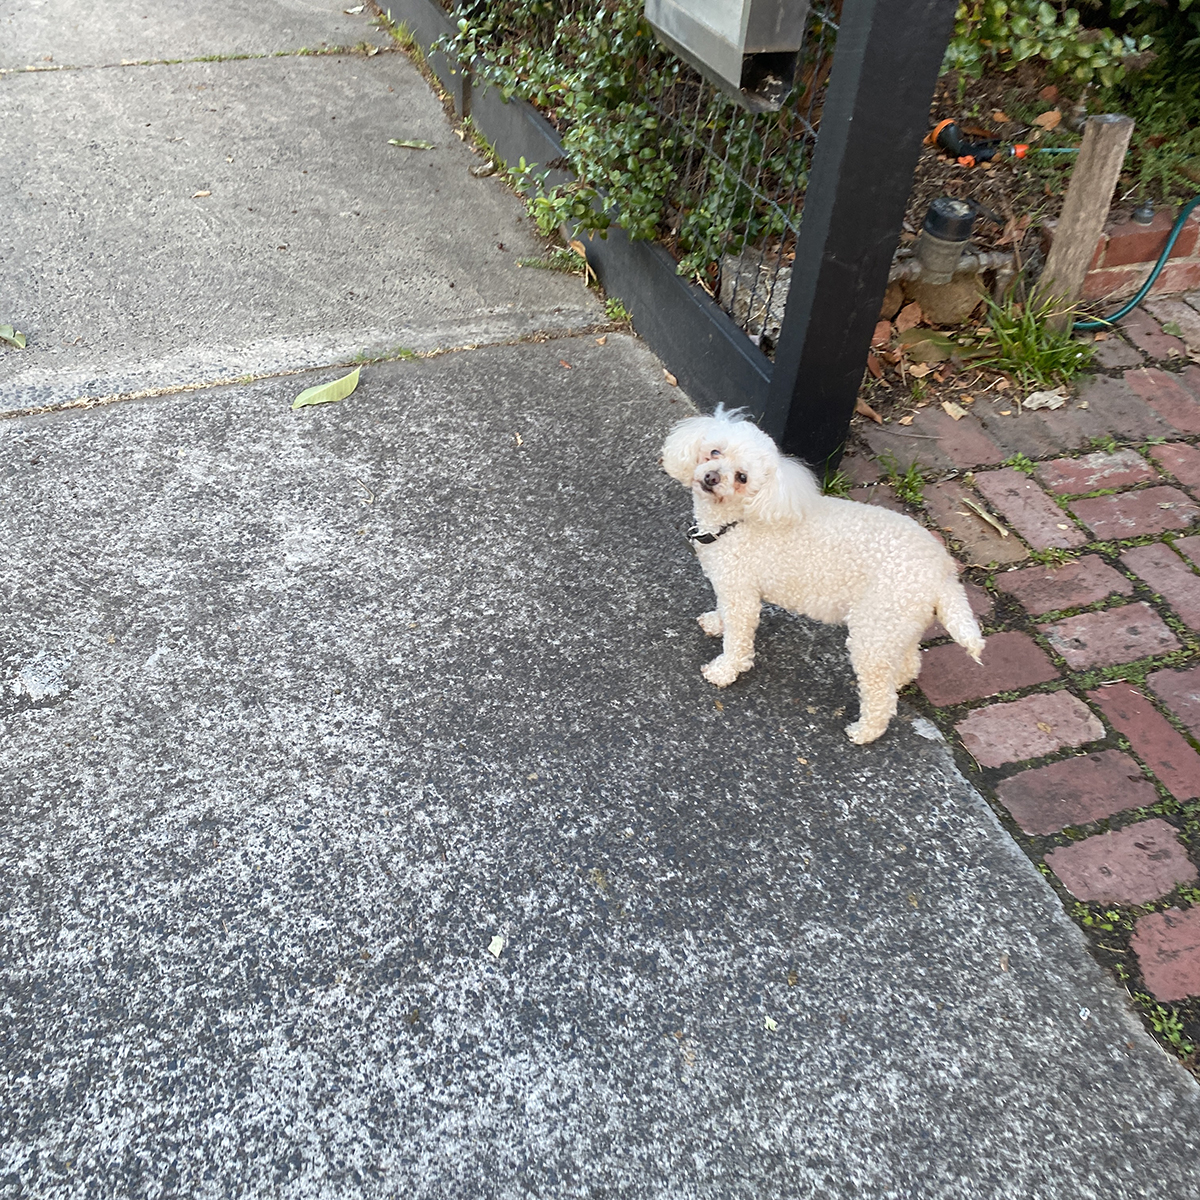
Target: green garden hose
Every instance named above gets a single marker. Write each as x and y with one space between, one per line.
1106 322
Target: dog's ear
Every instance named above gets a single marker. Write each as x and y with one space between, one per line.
786 491
681 450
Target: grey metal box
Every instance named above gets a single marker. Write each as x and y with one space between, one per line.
747 47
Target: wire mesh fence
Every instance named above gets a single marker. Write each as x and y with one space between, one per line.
739 184
724 187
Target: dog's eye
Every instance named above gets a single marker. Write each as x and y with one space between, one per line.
740 477
715 454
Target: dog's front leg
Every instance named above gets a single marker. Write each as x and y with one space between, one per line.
739 621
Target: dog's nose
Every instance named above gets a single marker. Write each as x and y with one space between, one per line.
710 480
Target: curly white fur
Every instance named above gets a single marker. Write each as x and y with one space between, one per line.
781 541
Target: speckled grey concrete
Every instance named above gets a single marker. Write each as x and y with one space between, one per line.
77 33
318 241
298 712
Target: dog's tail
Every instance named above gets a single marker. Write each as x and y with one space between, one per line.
954 611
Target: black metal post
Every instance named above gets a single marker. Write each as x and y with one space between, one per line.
877 111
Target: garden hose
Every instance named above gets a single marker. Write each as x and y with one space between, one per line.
1106 322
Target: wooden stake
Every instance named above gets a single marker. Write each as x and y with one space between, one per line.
1089 194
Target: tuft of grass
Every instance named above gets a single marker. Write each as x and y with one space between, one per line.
1021 343
1020 463
837 483
1052 556
908 482
557 258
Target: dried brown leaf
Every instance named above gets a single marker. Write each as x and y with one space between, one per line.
865 410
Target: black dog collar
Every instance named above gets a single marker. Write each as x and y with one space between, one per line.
706 539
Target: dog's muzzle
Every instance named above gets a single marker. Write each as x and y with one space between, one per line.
710 480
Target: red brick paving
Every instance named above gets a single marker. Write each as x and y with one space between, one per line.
1170 576
1167 945
981 543
1031 727
1129 514
1044 589
1146 334
1075 791
1074 476
1162 391
1181 460
1118 635
1130 866
1180 692
1145 860
1029 510
1011 661
1154 740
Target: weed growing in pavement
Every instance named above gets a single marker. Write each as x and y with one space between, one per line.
909 483
836 484
557 258
1021 343
1052 556
615 310
1020 463
918 389
1104 442
1164 1021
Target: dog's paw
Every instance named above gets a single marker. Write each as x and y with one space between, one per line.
711 623
720 671
861 734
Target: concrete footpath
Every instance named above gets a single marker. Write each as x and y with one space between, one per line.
368 829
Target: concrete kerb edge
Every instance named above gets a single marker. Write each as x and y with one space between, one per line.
684 326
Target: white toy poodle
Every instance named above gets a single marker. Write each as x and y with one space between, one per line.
765 532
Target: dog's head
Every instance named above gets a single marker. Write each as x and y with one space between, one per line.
729 462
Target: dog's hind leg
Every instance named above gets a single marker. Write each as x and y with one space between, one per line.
873 655
711 623
739 620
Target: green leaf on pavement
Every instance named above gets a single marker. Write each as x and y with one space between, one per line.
11 337
325 393
410 143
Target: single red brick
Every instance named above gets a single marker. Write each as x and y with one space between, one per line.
1189 546
905 447
1146 334
1075 791
1167 396
1129 866
1170 576
982 545
1072 476
881 495
1190 378
1116 636
1115 283
1044 589
1152 737
1114 352
1180 460
1171 311
1130 514
1180 692
964 441
1130 243
1177 277
860 469
1028 728
1028 509
1010 661
981 606
1167 945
